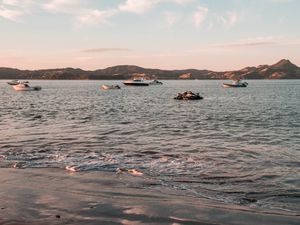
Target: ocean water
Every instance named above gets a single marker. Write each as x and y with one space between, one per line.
237 146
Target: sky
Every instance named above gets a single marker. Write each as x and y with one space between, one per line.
167 34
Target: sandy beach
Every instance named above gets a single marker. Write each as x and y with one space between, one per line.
56 196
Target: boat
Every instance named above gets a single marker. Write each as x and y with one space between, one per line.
136 82
236 83
108 87
155 82
188 95
15 82
24 86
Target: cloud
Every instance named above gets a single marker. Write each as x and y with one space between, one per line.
11 14
138 6
18 3
95 16
258 42
99 50
200 15
62 6
245 44
230 19
14 10
11 2
183 2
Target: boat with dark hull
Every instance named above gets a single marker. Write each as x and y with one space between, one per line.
155 82
188 95
136 82
235 84
24 86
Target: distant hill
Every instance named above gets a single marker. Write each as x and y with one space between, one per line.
283 69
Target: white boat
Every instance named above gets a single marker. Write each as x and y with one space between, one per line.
24 86
155 82
108 87
236 83
136 82
15 82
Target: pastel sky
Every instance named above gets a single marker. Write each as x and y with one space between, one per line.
167 34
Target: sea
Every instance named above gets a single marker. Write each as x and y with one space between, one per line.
237 146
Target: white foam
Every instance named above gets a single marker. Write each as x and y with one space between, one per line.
71 168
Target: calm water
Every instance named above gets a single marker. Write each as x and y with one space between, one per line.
238 146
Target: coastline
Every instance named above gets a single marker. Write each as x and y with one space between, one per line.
56 196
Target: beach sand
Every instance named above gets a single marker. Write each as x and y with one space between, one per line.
56 196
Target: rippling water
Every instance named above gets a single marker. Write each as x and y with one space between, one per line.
238 146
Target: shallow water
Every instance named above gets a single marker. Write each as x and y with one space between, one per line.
238 146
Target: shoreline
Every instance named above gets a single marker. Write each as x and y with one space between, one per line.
56 196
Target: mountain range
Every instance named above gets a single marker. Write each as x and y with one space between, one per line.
283 69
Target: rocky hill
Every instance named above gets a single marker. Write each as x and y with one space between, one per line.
283 69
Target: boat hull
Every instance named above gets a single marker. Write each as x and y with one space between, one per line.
36 88
136 83
109 87
155 82
234 85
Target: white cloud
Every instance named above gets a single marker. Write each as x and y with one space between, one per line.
14 10
11 14
62 6
183 2
10 2
200 15
18 3
94 16
138 6
100 50
230 19
258 42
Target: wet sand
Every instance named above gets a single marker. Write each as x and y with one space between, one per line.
56 196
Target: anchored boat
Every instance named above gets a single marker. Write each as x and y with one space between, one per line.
236 83
24 86
136 82
155 82
108 87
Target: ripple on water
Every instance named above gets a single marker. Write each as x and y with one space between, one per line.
237 146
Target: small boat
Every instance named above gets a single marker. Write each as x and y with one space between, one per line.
136 82
24 86
155 82
108 87
236 83
15 82
188 95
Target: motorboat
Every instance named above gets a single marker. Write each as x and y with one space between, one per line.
188 95
108 87
236 83
155 82
24 86
15 82
136 82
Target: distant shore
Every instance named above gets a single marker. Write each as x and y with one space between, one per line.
56 196
283 69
